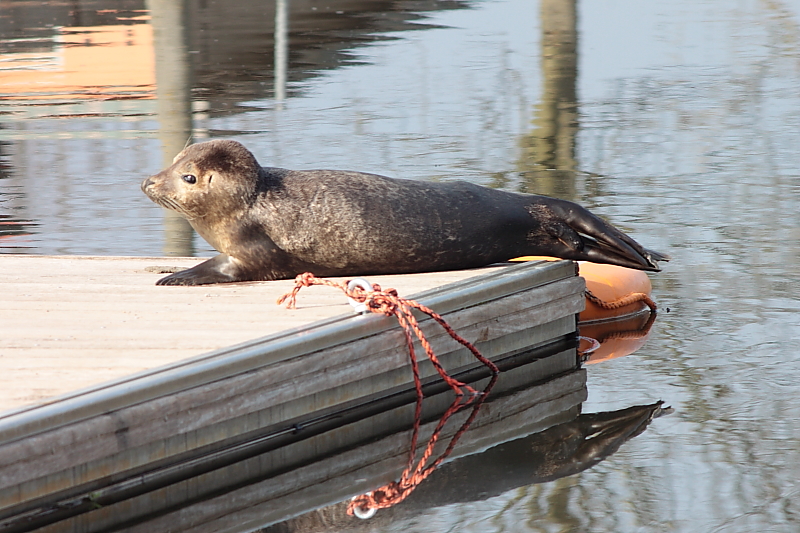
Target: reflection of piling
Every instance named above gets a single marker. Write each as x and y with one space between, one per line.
548 158
173 91
281 50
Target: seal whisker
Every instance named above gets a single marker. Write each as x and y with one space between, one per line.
170 203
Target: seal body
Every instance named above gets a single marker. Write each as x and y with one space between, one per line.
274 223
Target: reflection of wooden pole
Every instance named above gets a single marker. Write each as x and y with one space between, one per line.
173 92
281 50
548 160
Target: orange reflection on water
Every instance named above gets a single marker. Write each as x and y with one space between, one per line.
619 337
98 62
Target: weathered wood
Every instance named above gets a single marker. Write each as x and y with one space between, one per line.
276 384
205 401
67 323
240 358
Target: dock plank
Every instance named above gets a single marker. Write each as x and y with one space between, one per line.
68 323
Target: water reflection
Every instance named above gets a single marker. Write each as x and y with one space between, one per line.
173 93
14 233
547 161
281 50
562 450
619 337
77 84
165 69
90 88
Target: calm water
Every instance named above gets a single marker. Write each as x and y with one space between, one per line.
677 120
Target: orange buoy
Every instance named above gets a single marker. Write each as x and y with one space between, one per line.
618 312
613 292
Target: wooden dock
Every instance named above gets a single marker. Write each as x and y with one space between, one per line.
67 323
181 386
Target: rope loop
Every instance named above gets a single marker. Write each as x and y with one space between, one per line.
387 302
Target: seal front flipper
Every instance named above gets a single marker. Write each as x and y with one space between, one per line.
219 269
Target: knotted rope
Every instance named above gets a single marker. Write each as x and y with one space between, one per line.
388 303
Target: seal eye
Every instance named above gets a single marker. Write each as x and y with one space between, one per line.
189 178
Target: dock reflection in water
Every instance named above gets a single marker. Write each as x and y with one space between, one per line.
527 432
562 450
569 447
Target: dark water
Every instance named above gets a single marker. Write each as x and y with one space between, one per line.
678 121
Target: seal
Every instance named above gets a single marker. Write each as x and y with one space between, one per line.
273 223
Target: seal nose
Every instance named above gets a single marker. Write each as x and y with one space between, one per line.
147 183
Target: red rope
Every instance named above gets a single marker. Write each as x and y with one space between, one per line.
413 475
388 303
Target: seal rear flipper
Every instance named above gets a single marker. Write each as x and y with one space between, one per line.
654 256
219 269
588 251
597 253
605 243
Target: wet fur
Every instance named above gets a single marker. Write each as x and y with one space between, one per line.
273 223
